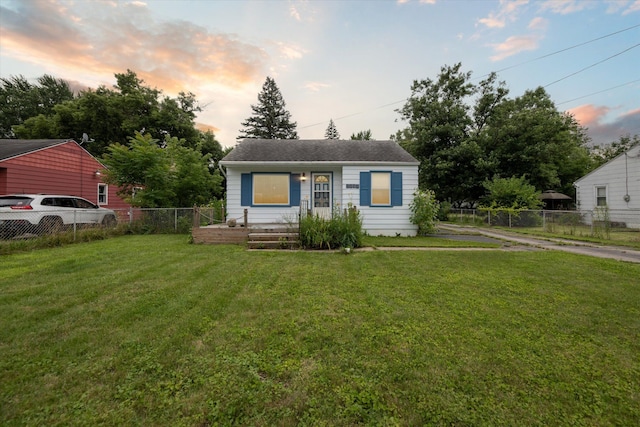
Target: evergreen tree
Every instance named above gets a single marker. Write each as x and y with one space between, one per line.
363 135
270 119
331 132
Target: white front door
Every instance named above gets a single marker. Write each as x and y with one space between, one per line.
322 196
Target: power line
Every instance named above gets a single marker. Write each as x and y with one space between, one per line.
515 66
600 91
592 65
565 49
355 114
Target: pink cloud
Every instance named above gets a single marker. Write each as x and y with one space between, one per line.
514 45
538 24
492 21
588 114
565 7
602 132
508 11
114 37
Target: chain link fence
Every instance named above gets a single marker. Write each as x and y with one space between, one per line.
23 224
598 223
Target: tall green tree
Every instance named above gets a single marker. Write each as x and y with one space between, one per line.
465 134
149 174
332 131
112 115
21 100
438 133
363 135
270 118
529 136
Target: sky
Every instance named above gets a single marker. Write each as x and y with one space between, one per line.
352 61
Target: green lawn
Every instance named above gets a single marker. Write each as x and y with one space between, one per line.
150 330
629 237
427 242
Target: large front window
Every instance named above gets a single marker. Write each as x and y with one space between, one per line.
270 189
380 188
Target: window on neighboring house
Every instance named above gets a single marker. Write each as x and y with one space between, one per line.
270 189
102 194
380 188
601 196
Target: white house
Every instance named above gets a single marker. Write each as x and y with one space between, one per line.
277 179
616 185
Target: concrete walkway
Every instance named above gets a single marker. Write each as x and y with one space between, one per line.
566 245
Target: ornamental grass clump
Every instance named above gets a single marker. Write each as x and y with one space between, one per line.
342 230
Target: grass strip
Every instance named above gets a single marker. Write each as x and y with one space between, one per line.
151 330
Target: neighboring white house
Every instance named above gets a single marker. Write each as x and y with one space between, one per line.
616 185
277 179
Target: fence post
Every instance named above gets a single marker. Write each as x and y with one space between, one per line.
509 219
196 217
75 222
175 219
130 215
489 217
246 220
544 221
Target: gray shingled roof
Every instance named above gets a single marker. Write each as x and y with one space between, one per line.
16 147
318 150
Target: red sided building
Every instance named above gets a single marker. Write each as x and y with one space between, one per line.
54 166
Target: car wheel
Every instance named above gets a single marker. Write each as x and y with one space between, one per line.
109 221
51 224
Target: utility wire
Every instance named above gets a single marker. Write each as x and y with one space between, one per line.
514 66
592 65
564 50
600 91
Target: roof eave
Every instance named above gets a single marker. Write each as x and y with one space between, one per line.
232 163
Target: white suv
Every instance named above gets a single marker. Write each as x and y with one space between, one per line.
43 213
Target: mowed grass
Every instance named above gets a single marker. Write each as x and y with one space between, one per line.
629 237
150 330
426 242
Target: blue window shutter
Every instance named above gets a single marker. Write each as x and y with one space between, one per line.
365 188
396 188
294 189
246 190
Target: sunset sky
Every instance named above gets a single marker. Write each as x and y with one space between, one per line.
350 61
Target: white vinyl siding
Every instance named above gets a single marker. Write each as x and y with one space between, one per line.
619 177
387 221
376 220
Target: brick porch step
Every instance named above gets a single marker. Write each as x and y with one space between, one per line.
273 237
